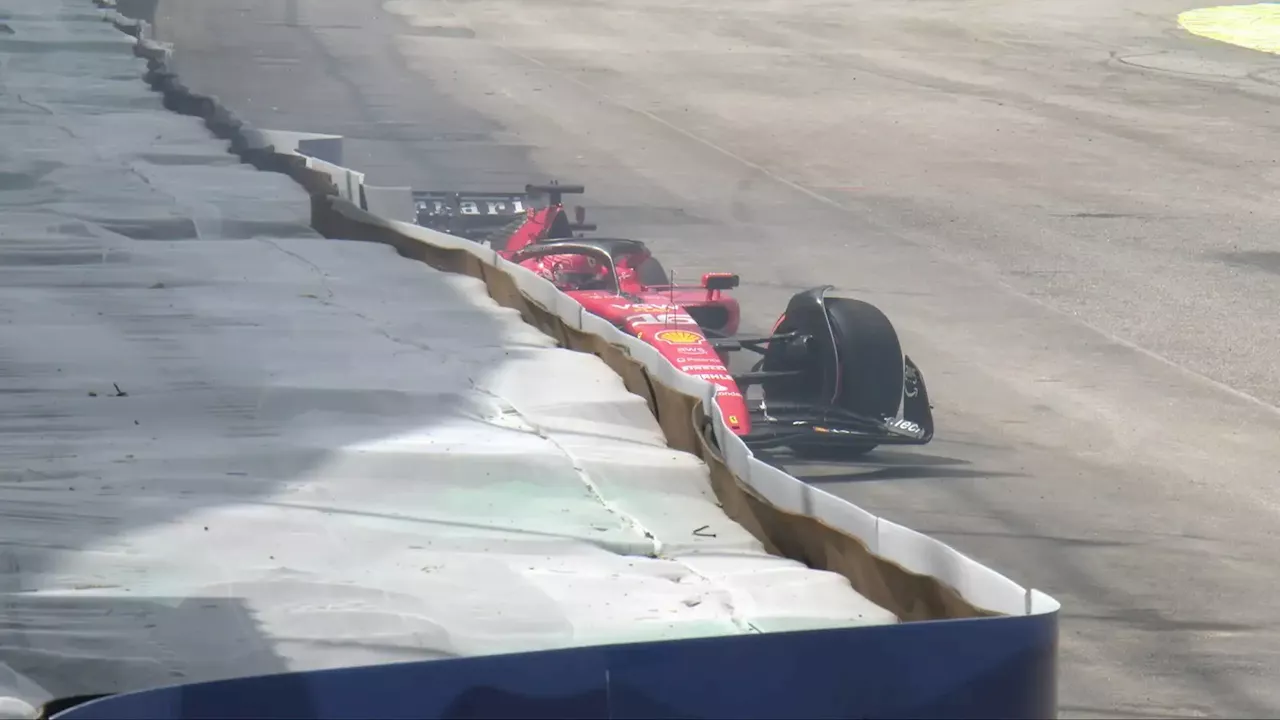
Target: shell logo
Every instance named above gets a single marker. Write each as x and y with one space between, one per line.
678 337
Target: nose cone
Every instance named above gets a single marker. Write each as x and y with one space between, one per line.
734 409
674 334
733 406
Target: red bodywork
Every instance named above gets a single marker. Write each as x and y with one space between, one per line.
652 313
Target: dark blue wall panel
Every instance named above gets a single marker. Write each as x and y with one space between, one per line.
987 668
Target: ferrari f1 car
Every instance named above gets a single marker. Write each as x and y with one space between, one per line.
833 376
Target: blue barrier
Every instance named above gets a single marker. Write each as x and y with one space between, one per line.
1002 667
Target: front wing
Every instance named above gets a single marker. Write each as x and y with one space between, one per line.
783 424
793 424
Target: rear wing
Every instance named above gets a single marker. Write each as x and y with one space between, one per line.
466 214
473 214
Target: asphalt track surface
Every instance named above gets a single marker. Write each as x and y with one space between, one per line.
1068 209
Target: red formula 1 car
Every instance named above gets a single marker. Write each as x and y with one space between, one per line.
832 372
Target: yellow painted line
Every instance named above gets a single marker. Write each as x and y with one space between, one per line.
1256 27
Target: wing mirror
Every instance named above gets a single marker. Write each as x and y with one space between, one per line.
720 281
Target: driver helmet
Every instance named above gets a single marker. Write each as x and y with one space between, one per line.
569 272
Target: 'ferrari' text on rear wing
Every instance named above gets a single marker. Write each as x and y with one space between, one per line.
430 203
476 214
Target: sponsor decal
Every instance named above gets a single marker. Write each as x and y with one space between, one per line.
692 350
733 419
912 382
679 337
906 426
642 308
694 369
711 377
660 319
474 207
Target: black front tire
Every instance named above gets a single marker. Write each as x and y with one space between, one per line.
871 370
871 365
